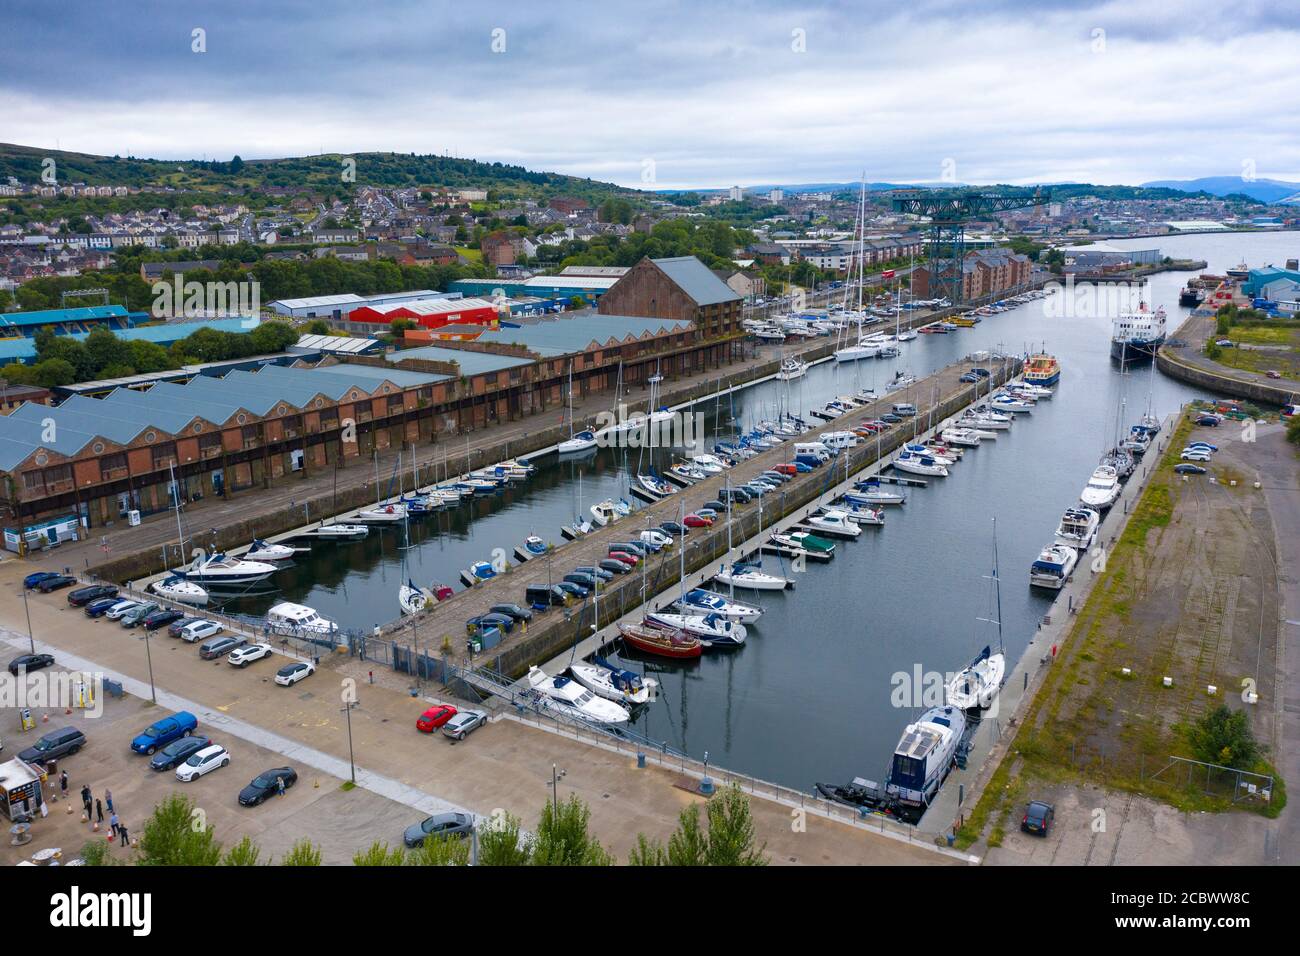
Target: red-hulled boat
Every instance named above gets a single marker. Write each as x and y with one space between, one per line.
662 642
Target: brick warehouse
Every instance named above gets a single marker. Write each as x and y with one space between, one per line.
250 429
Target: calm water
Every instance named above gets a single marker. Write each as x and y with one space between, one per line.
808 697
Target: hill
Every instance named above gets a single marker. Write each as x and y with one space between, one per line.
1264 190
310 173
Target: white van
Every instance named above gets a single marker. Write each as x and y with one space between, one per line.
906 409
838 440
815 448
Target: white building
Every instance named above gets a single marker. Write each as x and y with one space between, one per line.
735 194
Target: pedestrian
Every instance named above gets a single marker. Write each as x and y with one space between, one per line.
108 799
112 824
279 785
85 801
63 784
121 832
99 811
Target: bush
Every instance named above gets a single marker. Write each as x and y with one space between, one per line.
1223 737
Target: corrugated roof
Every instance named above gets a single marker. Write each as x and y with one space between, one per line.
52 316
24 349
696 280
471 363
570 332
336 344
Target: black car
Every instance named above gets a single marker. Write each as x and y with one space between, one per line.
735 495
99 607
175 627
504 622
615 566
576 590
83 596
968 378
512 610
582 580
177 752
56 583
982 372
267 784
718 506
161 618
55 744
30 662
638 548
596 572
36 577
1038 818
673 528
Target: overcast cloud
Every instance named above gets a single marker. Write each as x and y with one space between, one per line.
697 94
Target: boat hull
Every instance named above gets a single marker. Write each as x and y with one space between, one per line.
1137 351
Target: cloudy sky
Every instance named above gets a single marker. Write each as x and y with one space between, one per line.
661 94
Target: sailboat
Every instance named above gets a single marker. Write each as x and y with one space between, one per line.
411 598
974 686
614 683
581 441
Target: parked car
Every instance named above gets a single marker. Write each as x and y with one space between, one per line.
1273 373
720 506
210 650
121 609
200 629
982 372
1038 818
577 590
615 567
55 744
630 560
463 724
437 826
1187 468
697 521
80 597
267 784
890 418
161 618
582 580
484 621
1204 445
434 717
175 627
164 731
36 577
290 674
514 610
178 751
30 662
787 468
600 573
210 758
1226 344
1209 421
1193 454
56 583
243 656
968 378
138 613
101 607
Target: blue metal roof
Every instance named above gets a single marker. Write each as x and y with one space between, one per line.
55 316
24 349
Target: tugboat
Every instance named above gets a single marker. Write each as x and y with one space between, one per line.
1191 296
1042 370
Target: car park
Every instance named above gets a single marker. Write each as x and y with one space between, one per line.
1187 468
291 674
200 629
434 717
243 656
178 751
30 662
216 647
1038 818
514 610
138 613
161 618
164 731
56 583
463 724
100 607
267 784
210 758
55 744
80 597
440 825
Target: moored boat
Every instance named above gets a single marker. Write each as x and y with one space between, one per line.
923 758
1053 567
614 683
176 588
661 643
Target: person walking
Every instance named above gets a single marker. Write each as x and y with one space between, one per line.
63 784
86 801
121 832
279 785
112 824
99 811
108 799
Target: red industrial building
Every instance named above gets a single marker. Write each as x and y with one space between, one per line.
430 313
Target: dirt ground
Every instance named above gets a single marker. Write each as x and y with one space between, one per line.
339 822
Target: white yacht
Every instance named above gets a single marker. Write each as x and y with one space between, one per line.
871 494
975 685
856 353
614 683
289 618
960 436
604 512
220 569
1102 489
791 369
834 522
748 576
383 514
575 699
865 515
582 441
341 532
714 628
1078 528
411 598
1054 565
920 465
924 756
261 551
700 601
175 588
709 464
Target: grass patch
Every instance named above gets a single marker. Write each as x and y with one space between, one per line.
347 785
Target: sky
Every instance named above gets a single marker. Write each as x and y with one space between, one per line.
658 94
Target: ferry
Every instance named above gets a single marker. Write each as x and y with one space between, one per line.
1042 370
1135 336
923 758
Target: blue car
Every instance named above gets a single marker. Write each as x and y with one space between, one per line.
100 608
1202 444
34 579
162 732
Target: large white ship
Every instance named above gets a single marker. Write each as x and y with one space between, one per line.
1136 335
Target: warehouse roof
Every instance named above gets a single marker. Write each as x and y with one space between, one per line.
337 344
55 316
432 306
696 280
471 363
24 349
317 301
570 332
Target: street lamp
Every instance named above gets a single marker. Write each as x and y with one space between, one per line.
153 691
26 610
347 709
556 776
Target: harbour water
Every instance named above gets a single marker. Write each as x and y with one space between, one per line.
811 696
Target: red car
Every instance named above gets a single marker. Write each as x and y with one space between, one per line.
697 521
629 559
435 717
786 469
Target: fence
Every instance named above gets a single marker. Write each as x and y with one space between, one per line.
1239 786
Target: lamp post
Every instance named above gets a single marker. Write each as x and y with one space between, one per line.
153 691
26 610
347 709
556 776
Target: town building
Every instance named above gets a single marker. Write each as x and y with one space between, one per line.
680 288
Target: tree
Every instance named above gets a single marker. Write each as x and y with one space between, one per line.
501 843
316 327
1293 430
444 851
178 835
1223 736
728 842
54 372
563 837
303 853
236 164
243 853
379 854
270 337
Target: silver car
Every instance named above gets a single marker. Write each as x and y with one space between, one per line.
464 723
439 825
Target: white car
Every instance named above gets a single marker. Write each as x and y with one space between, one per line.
200 631
116 612
1195 454
243 656
292 673
204 761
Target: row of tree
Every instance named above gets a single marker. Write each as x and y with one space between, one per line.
177 835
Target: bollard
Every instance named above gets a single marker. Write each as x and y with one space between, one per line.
706 786
640 760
